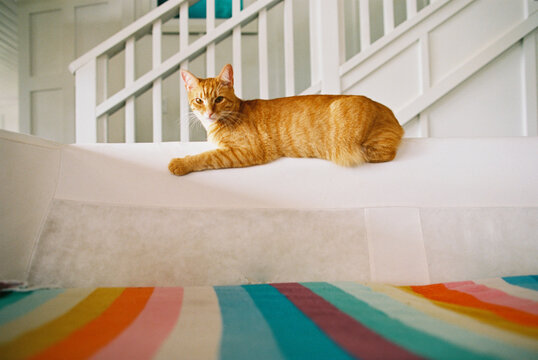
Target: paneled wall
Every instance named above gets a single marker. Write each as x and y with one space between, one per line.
497 99
9 111
52 34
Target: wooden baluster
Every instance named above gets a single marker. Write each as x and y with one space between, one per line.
411 6
129 80
236 45
263 54
423 117
315 26
364 19
530 97
156 39
341 30
183 97
102 94
85 102
289 58
388 16
328 46
210 26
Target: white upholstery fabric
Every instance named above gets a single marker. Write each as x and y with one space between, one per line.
111 214
85 244
28 175
425 173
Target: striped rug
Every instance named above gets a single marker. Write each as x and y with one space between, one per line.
489 319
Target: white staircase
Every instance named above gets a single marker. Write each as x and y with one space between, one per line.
418 47
411 67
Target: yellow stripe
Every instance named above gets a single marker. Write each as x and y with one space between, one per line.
427 307
46 335
482 315
510 289
198 331
42 314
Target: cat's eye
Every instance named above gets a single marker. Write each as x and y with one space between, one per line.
199 101
219 99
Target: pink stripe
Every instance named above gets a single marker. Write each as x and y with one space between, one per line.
494 296
142 339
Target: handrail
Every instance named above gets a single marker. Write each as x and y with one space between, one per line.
395 33
138 28
328 71
173 63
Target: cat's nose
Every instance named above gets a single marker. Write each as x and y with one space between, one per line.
210 114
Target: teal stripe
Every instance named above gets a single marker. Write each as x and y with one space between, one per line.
297 336
409 338
415 319
527 282
26 303
245 334
13 297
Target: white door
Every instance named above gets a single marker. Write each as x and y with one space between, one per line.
52 34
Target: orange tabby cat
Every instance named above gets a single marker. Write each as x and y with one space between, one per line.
345 129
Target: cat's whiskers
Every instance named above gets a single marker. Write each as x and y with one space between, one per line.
194 122
230 118
191 117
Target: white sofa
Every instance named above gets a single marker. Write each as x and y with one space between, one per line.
112 215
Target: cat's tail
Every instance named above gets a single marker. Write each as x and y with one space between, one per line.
383 142
349 157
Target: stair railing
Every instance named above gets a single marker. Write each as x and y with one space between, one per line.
92 101
327 55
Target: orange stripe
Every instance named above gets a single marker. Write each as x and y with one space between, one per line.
39 339
144 336
440 292
89 339
482 315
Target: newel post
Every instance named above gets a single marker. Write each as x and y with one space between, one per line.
325 52
85 103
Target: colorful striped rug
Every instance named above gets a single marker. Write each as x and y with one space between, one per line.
489 319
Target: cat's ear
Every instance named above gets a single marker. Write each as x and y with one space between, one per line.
227 75
189 79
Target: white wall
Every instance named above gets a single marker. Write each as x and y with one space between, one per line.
496 98
52 33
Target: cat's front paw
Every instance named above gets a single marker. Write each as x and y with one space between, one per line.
179 166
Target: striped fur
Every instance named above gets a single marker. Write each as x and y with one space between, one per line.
345 129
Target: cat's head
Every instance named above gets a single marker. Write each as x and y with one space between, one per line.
212 99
